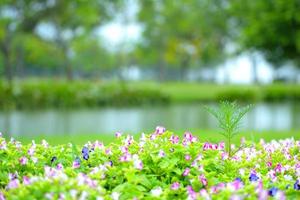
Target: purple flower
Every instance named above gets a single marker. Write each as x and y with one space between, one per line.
30 151
125 158
3 145
160 130
221 146
214 146
59 166
278 168
174 139
175 186
138 164
76 163
118 134
124 149
188 136
191 193
161 154
236 184
13 184
85 156
297 185
206 146
108 151
23 160
272 192
202 179
85 150
187 157
186 172
26 180
253 177
2 196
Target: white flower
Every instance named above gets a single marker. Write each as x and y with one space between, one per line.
156 192
288 177
115 195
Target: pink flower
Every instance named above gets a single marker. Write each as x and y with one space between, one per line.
203 193
108 151
2 196
224 156
272 175
124 149
30 151
59 166
23 160
188 136
175 186
160 130
263 195
214 146
152 136
125 158
187 157
174 139
138 164
221 146
269 164
161 154
206 146
186 172
129 140
98 145
236 197
3 145
118 134
202 179
76 164
191 193
279 168
235 185
13 184
26 180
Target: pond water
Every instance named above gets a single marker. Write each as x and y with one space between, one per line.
263 116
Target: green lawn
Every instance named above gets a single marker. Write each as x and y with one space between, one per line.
203 135
185 92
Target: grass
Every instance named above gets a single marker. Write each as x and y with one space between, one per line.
185 92
203 135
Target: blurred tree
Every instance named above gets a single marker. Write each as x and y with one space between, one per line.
91 55
270 27
19 17
182 34
75 18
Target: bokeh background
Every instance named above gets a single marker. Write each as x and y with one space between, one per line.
77 70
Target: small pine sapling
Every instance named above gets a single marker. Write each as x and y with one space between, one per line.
229 116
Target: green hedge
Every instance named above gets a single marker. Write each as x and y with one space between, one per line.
40 93
268 93
62 94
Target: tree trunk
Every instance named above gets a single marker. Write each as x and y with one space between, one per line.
162 70
184 68
20 61
69 69
6 51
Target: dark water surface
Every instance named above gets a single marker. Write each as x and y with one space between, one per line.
263 116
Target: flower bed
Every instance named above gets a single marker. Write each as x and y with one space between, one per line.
161 165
